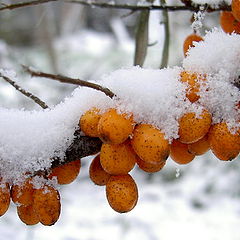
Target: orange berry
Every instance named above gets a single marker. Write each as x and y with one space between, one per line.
236 9
228 23
194 81
117 159
89 122
22 194
189 42
192 128
223 143
115 128
122 193
66 173
150 167
47 205
97 173
27 214
4 197
149 144
199 147
179 152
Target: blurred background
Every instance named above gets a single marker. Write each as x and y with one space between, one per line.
200 200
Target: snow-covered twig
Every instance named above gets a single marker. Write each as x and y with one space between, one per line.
23 4
24 92
134 7
65 79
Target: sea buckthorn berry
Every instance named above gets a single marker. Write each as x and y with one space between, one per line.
224 144
27 214
89 122
122 193
97 173
150 144
22 193
192 128
194 82
179 152
66 173
200 147
236 9
150 167
115 128
229 23
189 42
47 205
4 197
117 159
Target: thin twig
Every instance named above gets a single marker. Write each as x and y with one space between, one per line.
24 4
65 79
134 7
24 92
165 52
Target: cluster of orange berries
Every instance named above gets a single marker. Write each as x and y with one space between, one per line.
126 143
38 202
229 22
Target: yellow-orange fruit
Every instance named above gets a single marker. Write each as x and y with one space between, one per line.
199 147
22 193
27 214
149 144
179 152
89 122
192 128
122 193
97 173
4 197
194 81
229 23
117 159
66 173
223 143
189 42
47 205
150 167
236 9
115 128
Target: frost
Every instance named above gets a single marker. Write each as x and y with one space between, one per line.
177 173
198 18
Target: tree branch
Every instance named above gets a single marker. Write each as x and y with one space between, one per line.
131 7
23 4
149 7
82 146
64 79
24 92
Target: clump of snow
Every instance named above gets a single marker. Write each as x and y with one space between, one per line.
212 3
198 19
218 51
29 139
218 57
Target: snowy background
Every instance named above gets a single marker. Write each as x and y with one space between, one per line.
198 201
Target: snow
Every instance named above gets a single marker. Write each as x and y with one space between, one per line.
29 139
212 3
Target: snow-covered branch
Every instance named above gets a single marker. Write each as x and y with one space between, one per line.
132 7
